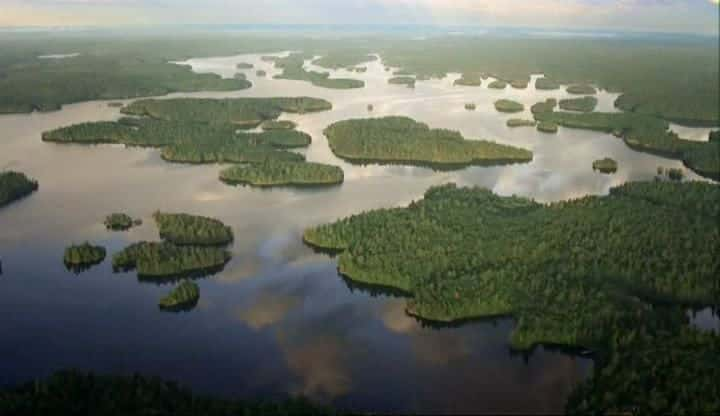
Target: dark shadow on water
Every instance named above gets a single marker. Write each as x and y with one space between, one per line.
374 290
182 308
173 278
437 167
76 269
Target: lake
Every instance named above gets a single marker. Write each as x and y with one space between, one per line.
279 320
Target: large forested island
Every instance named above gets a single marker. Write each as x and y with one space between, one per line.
15 185
202 130
405 141
283 173
646 134
589 273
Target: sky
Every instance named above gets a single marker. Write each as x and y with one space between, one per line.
690 16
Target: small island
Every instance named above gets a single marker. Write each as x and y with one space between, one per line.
467 79
402 140
498 85
283 174
606 165
519 84
519 122
261 73
547 127
115 104
581 89
407 81
14 186
244 65
185 229
165 261
120 222
546 106
370 107
184 297
509 106
546 84
279 125
470 106
240 75
81 257
584 104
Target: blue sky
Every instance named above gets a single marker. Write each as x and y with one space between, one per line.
697 16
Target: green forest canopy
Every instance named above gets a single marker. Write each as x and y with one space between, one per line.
586 273
186 229
404 140
283 174
15 185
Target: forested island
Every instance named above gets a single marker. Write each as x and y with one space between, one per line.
519 122
337 59
403 80
498 84
646 134
591 272
519 84
405 141
120 222
470 106
584 104
81 393
581 89
80 257
469 79
292 67
203 130
279 125
15 185
605 165
183 297
283 174
509 106
192 246
546 84
244 65
547 127
261 73
544 106
185 229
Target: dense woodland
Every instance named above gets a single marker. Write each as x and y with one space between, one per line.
584 104
605 165
195 230
292 67
279 125
78 393
585 273
677 81
192 247
547 127
509 106
183 297
167 262
498 84
544 106
519 122
80 257
546 84
120 222
15 185
645 134
581 89
470 79
283 174
403 140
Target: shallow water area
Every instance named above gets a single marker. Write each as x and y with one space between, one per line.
278 319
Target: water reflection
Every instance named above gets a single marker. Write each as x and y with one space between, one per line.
707 319
278 318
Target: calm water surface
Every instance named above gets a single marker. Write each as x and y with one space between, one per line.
278 320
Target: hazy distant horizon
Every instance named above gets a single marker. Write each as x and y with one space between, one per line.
679 16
